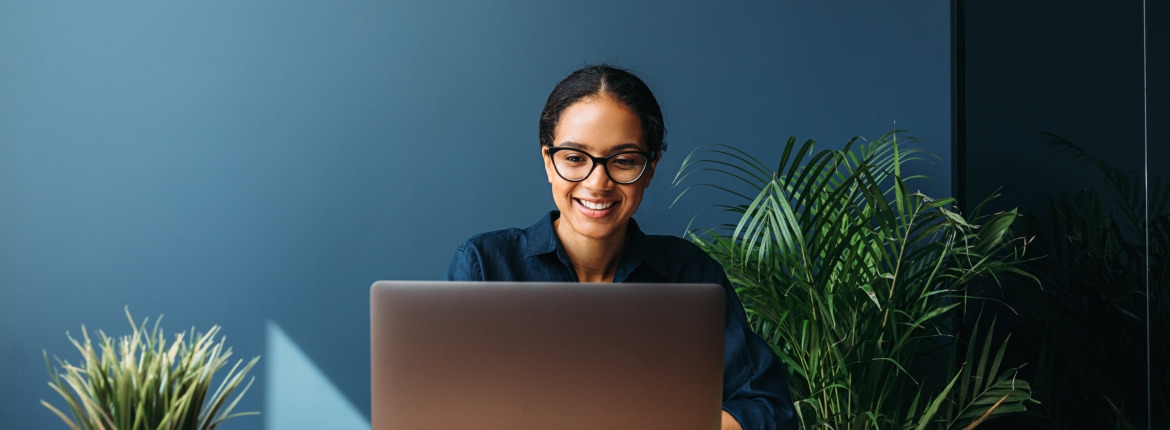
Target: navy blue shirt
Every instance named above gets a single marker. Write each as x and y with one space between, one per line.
754 390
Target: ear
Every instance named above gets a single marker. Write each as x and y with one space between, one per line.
549 170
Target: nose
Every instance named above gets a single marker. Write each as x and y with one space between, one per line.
598 178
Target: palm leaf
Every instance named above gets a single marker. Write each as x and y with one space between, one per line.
848 274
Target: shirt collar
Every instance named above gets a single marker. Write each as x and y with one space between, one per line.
639 250
542 239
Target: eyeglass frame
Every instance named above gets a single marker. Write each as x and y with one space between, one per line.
604 161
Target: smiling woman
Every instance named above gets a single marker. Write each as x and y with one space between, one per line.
601 136
595 209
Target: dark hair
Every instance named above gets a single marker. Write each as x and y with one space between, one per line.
614 81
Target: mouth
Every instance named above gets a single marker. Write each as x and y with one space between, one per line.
596 209
595 205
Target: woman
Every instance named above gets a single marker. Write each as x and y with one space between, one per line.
601 135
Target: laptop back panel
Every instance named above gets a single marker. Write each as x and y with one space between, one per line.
463 355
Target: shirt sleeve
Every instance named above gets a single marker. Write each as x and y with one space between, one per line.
466 265
755 390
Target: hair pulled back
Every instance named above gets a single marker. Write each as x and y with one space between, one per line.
603 79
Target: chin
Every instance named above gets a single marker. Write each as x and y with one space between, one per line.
593 228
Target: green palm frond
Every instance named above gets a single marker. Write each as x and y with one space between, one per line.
850 276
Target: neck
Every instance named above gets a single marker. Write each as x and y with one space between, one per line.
594 260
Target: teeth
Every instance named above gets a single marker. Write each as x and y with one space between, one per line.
596 206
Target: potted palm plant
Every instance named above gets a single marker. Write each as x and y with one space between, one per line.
138 381
859 284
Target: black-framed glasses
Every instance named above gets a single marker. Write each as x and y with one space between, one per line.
574 165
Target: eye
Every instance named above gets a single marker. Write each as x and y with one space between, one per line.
571 158
628 161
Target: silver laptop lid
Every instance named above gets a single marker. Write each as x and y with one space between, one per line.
467 355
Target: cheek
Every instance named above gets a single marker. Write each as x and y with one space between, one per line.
559 186
635 192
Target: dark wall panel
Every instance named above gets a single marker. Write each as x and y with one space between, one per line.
1095 74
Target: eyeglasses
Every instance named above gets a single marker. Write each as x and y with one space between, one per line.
575 165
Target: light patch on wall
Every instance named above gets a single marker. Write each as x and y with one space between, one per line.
299 396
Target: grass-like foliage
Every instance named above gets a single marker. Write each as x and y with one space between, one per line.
859 285
138 381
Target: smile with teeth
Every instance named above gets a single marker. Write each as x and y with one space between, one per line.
595 206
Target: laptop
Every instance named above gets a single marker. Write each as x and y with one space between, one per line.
495 355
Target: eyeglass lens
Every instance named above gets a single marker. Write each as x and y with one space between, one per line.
574 165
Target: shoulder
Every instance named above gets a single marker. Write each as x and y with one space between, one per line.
537 238
509 239
678 248
684 260
478 257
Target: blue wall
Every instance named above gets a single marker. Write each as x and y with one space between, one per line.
258 164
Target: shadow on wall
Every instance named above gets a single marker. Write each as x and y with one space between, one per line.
299 395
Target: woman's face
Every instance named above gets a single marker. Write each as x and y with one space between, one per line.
597 207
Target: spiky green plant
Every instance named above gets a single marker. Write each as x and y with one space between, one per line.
858 283
138 381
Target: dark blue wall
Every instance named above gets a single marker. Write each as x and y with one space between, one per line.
258 164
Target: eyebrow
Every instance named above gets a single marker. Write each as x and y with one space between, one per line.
620 147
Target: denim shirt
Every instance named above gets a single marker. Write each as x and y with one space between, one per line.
754 389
